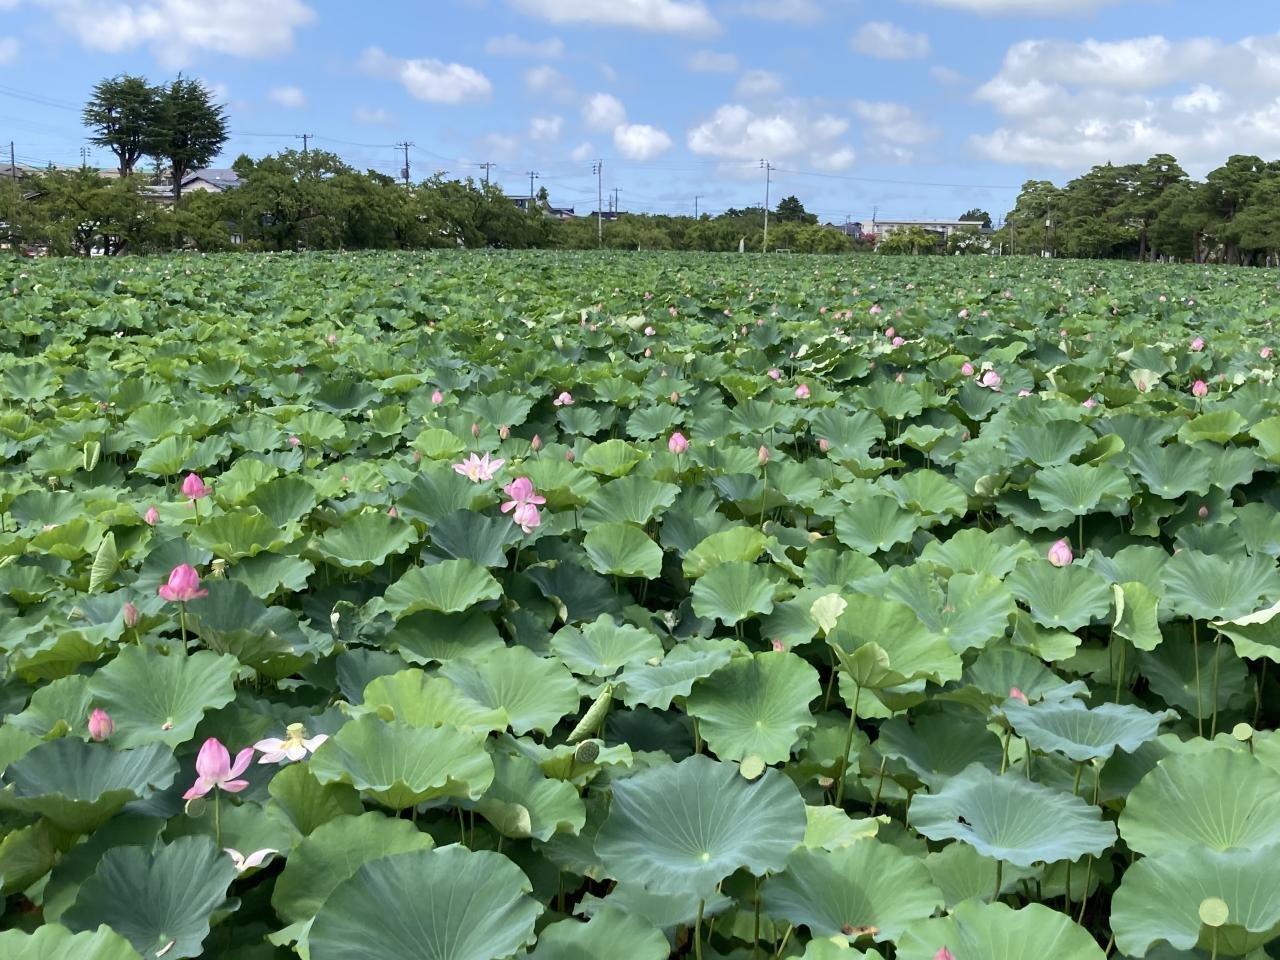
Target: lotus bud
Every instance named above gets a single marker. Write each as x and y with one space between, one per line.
967 369
588 751
334 617
944 954
392 512
536 443
504 432
675 397
1203 513
762 455
649 331
648 353
802 392
417 456
777 645
898 341
475 429
890 333
218 569
824 445
101 725
678 443
295 442
131 615
1016 694
152 516
775 374
1060 554
1265 353
570 456
1197 344
437 397
1199 389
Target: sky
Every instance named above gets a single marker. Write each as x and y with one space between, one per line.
895 108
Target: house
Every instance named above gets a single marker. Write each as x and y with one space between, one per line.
850 228
211 180
609 215
943 228
524 204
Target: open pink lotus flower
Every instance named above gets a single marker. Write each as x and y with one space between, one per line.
564 400
183 585
295 745
478 469
526 516
193 488
991 380
1197 344
254 859
214 769
520 490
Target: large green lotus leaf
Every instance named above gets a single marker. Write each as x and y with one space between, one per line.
231 620
928 493
664 910
55 708
1173 471
737 544
830 828
523 803
77 864
27 854
604 646
872 887
656 686
283 500
578 593
451 586
1078 488
962 873
882 643
159 899
436 492
400 765
996 931
1211 587
1159 899
630 500
613 458
270 573
1220 798
79 786
1137 616
428 637
836 950
535 692
1218 426
165 458
301 803
52 942
623 550
364 541
686 826
155 698
1197 681
244 533
334 852
601 936
445 904
413 697
938 746
976 551
1010 818
972 611
875 522
1049 444
1081 733
466 535
1255 636
1064 597
756 706
733 591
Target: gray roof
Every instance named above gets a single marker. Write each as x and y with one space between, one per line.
223 179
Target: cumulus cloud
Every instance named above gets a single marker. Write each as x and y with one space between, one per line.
689 17
372 116
640 142
548 80
175 32
710 61
1023 7
291 98
546 128
428 79
512 45
794 11
582 152
893 122
736 132
888 41
603 111
758 83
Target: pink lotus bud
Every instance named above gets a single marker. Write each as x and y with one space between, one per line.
152 516
649 331
778 645
647 352
565 399
570 456
775 374
875 309
1203 513
673 311
437 397
678 443
131 615
193 488
536 443
898 341
802 392
1089 404
295 442
1016 694
332 338
967 369
900 378
1024 393
1060 554
1200 389
392 512
762 455
504 432
964 314
944 954
417 456
824 444
890 332
675 397
760 321
101 725
183 585
1197 344
475 429
1265 353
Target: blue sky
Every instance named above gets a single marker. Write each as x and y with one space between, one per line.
910 107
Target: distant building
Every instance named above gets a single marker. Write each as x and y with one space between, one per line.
943 228
851 229
211 180
609 215
523 204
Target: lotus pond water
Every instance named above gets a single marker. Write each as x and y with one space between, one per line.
467 607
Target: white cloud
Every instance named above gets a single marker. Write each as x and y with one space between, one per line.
582 152
710 61
500 145
841 158
8 50
640 142
893 122
758 83
794 11
548 80
291 98
176 30
429 79
735 132
603 111
546 128
512 45
659 16
946 76
1020 7
888 41
1202 99
372 116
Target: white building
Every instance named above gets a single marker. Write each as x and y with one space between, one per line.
944 228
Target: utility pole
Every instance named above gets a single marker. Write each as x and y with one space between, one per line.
533 175
767 167
487 168
13 166
306 138
696 198
1048 222
404 172
617 207
84 158
598 169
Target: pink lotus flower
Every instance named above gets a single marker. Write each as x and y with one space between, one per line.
536 443
504 432
193 488
1016 694
478 469
475 430
802 392
775 374
944 954
890 332
1199 389
674 397
254 859
1203 512
1060 554
152 516
520 490
1197 344
897 341
570 456
762 455
1089 404
824 444
295 442
777 645
1265 353
214 769
648 352
437 397
673 311
966 369
392 512
526 516
295 745
964 314
649 331
1024 393
678 443
331 339
875 309
131 614
101 725
183 585
991 380
564 400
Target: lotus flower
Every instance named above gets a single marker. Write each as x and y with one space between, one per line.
536 443
678 444
875 309
393 513
478 469
564 400
254 859
131 614
802 392
183 585
824 444
777 645
193 488
1197 344
890 332
775 374
944 954
991 380
964 314
1200 389
966 369
1016 694
1265 353
1060 554
521 491
295 746
762 455
152 516
101 725
1089 404
526 516
475 430
214 769
570 456
437 397
897 341
674 397
1203 512
649 331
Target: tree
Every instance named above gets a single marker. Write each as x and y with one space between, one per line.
979 215
1153 178
791 210
81 212
122 114
189 130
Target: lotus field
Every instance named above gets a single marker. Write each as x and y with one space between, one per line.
465 607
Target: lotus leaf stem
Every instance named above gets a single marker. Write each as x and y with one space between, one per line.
848 743
697 930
